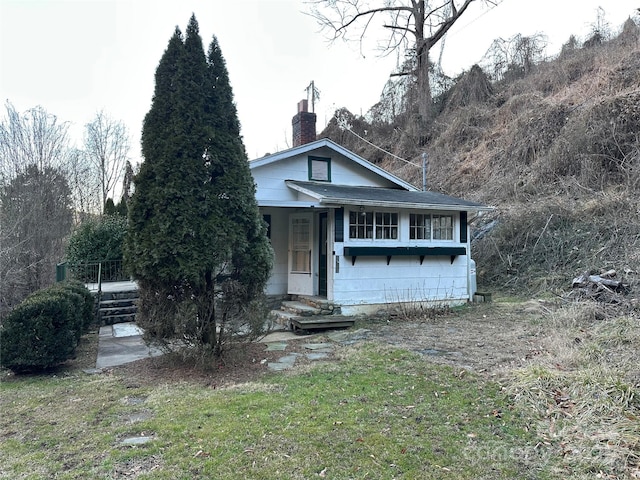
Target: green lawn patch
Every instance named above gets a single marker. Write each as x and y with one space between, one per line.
378 413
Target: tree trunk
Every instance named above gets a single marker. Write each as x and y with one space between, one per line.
424 89
207 318
423 96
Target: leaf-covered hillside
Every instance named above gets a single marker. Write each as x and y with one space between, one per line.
556 149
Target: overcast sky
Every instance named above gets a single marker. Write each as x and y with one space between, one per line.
75 58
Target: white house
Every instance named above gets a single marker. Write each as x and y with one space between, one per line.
345 229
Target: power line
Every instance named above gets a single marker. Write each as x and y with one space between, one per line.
343 125
497 4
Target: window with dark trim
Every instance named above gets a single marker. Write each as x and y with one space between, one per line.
320 169
386 226
370 225
442 227
419 226
267 220
430 227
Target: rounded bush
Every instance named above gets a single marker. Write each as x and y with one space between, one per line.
98 240
73 306
87 305
44 330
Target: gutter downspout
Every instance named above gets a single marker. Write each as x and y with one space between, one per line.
470 290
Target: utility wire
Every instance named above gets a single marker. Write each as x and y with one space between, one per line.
342 124
456 32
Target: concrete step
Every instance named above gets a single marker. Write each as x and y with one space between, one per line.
123 302
129 294
321 303
117 306
300 308
283 319
122 318
126 310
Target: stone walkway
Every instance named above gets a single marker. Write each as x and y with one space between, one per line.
120 344
123 343
317 351
313 351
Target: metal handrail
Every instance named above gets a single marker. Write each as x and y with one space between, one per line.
90 272
100 280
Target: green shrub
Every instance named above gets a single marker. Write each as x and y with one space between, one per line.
98 240
44 330
87 306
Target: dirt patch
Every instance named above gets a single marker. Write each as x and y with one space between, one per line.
486 339
244 365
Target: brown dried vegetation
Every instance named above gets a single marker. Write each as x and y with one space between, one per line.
555 150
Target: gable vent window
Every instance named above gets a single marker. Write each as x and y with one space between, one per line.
320 169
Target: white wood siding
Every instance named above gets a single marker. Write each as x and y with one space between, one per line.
277 284
270 178
370 281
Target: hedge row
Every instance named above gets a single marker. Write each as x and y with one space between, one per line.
45 329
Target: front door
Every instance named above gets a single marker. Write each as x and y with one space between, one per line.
322 257
300 278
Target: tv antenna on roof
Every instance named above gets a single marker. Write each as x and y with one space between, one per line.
314 93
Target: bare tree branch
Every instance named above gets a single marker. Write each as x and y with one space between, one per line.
35 205
33 138
426 22
107 145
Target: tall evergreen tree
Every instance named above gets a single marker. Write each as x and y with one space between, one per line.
196 243
250 260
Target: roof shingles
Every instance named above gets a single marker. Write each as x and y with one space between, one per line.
329 193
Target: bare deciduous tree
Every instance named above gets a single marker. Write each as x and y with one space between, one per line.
516 55
600 29
85 185
414 27
107 146
33 138
35 206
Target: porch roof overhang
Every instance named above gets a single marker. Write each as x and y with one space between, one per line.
332 195
289 204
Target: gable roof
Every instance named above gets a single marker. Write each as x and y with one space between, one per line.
325 142
330 194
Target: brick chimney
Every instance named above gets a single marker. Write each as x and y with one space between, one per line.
304 125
